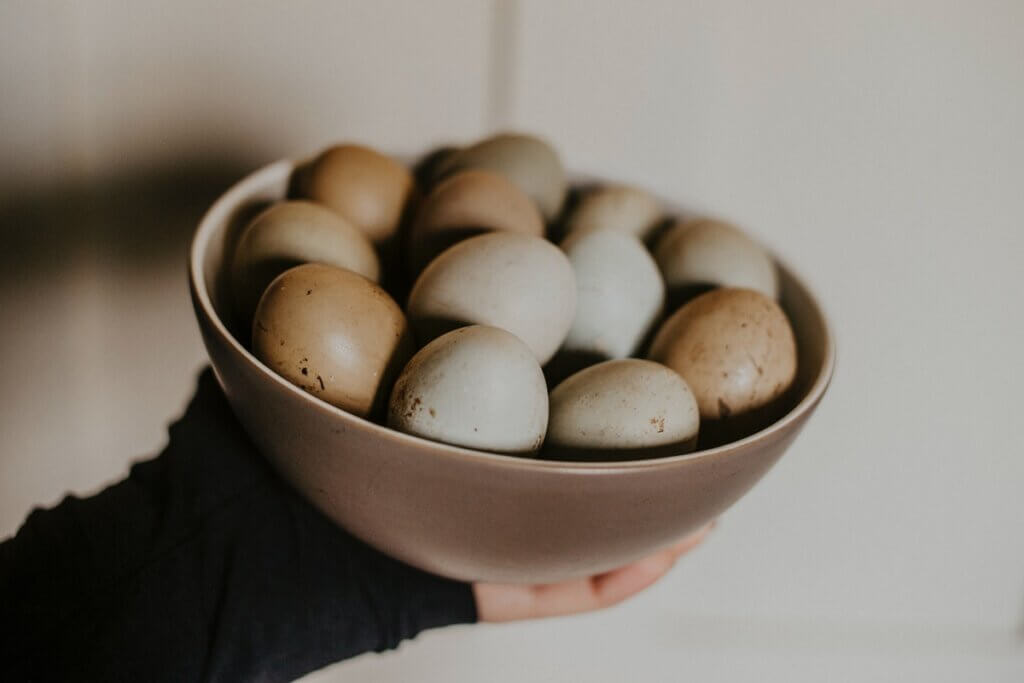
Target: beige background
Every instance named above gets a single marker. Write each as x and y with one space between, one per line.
877 146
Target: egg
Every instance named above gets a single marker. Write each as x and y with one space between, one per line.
529 162
366 187
291 233
616 207
334 334
466 204
734 347
477 387
710 252
619 292
520 283
622 409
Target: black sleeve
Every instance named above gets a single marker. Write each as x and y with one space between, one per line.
202 565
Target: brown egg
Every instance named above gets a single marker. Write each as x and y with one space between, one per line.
528 161
334 334
467 204
291 233
734 347
366 187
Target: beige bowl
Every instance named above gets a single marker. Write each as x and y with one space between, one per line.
468 514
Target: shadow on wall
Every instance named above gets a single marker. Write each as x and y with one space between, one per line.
126 223
97 324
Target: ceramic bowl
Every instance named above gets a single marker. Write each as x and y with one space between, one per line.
468 514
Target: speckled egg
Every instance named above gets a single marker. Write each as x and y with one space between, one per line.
734 347
622 409
334 334
478 387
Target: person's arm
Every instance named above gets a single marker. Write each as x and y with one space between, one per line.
203 565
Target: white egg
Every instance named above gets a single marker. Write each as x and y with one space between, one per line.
619 292
710 252
477 387
623 405
616 207
520 283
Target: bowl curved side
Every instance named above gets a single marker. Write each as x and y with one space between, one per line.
468 514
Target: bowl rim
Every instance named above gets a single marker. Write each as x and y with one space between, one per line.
263 176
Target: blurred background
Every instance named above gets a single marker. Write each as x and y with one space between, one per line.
876 146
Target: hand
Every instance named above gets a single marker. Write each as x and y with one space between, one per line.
509 602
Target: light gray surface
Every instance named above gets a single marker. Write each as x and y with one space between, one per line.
876 146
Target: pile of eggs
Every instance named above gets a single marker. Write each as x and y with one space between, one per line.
631 336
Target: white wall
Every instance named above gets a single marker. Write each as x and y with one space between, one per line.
875 145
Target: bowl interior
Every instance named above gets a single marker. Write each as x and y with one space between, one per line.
220 228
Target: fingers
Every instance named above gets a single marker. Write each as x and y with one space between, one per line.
509 602
617 585
506 602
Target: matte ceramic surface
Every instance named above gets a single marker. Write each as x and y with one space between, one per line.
473 515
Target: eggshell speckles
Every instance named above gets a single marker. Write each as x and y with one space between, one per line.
333 333
477 387
520 283
527 161
289 234
619 292
623 405
363 185
709 252
734 347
